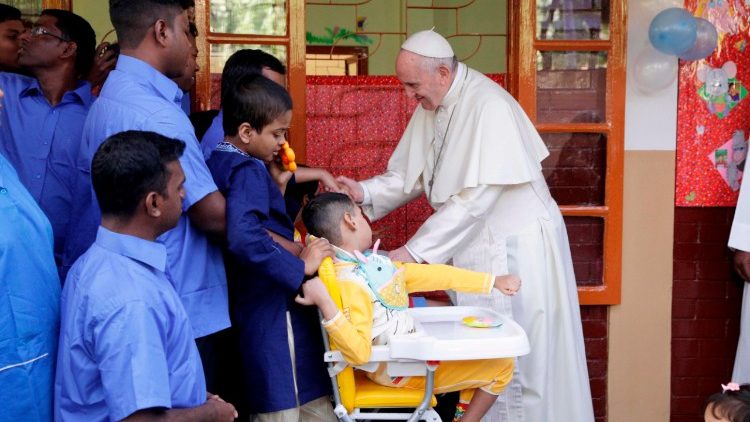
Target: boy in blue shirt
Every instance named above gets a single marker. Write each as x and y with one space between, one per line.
280 342
128 348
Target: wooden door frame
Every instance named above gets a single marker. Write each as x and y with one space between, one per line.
57 4
523 46
295 42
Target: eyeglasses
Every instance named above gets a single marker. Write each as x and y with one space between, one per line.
38 31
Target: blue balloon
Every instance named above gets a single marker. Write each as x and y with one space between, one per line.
673 31
705 42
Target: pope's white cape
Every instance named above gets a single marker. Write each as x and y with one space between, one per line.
483 142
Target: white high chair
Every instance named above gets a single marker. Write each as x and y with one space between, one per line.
442 336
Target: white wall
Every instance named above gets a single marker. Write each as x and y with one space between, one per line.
650 119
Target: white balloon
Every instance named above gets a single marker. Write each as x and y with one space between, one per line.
654 70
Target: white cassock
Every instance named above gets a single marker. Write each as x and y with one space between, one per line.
739 238
494 213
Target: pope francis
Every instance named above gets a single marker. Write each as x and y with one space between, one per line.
473 152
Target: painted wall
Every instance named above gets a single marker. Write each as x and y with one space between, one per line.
389 16
97 13
481 17
639 377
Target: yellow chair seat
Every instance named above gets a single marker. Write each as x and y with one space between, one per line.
371 395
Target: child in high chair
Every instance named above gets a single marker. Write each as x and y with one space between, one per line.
376 299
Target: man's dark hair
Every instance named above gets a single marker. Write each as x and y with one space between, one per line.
133 18
244 63
9 13
255 100
323 214
76 29
128 165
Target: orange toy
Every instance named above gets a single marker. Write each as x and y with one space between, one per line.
287 157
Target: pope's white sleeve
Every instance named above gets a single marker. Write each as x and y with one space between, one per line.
453 224
739 237
385 193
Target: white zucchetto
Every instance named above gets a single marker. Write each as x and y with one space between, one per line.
428 43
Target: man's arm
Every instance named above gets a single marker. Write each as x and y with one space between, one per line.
290 246
204 204
453 224
309 174
213 410
209 214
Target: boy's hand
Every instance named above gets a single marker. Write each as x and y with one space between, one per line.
314 253
315 293
329 183
508 284
105 60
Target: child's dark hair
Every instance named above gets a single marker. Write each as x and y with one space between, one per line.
247 62
9 13
732 405
255 100
323 214
130 164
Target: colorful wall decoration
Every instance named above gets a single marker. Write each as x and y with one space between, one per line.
713 120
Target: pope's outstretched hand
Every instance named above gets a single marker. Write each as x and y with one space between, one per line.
352 188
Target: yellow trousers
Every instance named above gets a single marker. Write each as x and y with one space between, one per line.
491 375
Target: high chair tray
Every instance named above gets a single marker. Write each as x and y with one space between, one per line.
445 337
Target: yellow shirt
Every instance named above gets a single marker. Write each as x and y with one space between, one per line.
366 321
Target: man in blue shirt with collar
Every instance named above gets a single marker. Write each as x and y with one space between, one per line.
29 304
139 95
128 345
42 116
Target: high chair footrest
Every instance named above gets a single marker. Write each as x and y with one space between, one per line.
371 395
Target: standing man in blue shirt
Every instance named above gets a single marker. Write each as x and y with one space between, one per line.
11 28
42 116
139 95
29 304
129 349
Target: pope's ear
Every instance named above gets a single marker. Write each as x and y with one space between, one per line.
444 71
